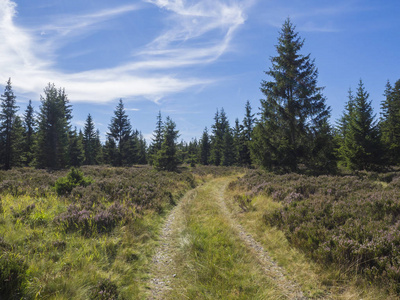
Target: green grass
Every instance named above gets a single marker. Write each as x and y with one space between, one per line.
69 264
213 263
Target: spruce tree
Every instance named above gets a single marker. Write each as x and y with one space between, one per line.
90 142
120 131
205 148
7 118
99 159
142 149
110 152
166 157
52 143
76 151
157 138
293 112
245 140
18 143
192 153
219 128
238 142
390 123
361 146
29 134
228 149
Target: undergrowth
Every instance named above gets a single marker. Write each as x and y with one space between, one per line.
349 224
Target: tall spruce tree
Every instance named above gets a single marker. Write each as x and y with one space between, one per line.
29 134
228 149
361 146
219 128
98 149
166 158
76 151
157 138
247 131
205 148
390 123
120 131
18 143
293 112
90 142
7 118
238 142
52 143
142 149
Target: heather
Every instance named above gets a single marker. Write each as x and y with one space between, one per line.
85 233
348 222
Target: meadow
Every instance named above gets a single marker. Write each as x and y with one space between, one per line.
87 234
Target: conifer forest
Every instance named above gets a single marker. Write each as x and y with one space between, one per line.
83 217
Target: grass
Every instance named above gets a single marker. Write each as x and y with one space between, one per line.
317 281
70 264
213 262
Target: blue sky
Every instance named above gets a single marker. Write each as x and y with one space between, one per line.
187 58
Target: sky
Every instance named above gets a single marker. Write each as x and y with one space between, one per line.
188 58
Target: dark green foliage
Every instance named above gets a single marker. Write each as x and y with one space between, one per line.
228 150
75 151
141 152
105 290
157 138
18 143
360 146
119 134
52 142
219 128
166 158
293 113
390 124
64 185
7 120
29 134
205 148
192 153
91 143
245 136
12 275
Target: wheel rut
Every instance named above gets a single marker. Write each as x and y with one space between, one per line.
163 270
269 266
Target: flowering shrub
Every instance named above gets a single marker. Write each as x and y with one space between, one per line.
350 221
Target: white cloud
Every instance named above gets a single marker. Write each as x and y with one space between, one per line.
309 17
195 33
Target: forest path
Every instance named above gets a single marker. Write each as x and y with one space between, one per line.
169 279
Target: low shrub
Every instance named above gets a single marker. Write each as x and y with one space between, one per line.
74 178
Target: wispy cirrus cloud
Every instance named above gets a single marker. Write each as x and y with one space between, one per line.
195 33
323 18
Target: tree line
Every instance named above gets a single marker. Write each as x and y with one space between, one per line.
291 133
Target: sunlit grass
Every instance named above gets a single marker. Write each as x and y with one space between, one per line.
69 264
213 262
